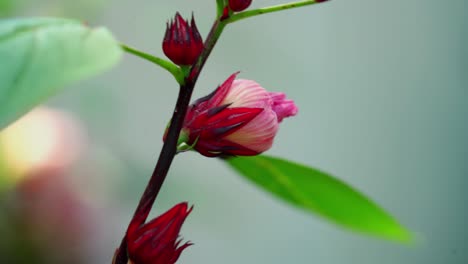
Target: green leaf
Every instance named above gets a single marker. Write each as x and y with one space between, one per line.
39 56
320 193
6 6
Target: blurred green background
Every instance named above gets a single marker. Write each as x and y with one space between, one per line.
382 89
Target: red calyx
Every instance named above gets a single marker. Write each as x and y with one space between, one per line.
157 242
239 5
210 128
182 42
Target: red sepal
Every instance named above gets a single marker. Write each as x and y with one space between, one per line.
157 241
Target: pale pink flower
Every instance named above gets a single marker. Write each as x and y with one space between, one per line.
239 118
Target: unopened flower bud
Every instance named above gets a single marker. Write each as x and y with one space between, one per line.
157 242
239 5
182 41
239 118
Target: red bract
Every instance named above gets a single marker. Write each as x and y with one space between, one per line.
239 5
157 242
182 42
240 118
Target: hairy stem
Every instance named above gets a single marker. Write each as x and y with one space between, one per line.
270 9
169 148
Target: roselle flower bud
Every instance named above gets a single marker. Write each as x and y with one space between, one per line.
182 42
239 118
239 5
157 242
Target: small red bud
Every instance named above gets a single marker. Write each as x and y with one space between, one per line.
239 5
157 241
182 41
225 14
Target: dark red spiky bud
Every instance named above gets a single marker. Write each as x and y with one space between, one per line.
157 242
182 41
239 5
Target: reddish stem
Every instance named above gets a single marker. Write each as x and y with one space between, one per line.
169 148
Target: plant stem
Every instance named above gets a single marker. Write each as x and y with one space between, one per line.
169 148
270 9
210 42
219 7
167 65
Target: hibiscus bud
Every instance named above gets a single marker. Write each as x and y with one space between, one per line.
182 42
158 240
240 118
239 5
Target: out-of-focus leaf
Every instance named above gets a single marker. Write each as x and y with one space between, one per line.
5 179
39 56
7 6
320 193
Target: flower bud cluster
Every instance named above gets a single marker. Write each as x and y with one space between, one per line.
239 118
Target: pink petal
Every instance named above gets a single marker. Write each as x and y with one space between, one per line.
259 133
247 93
283 107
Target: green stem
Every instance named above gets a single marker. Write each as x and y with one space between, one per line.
220 4
167 65
270 9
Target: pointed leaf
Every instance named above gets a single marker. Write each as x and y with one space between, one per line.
320 193
39 56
